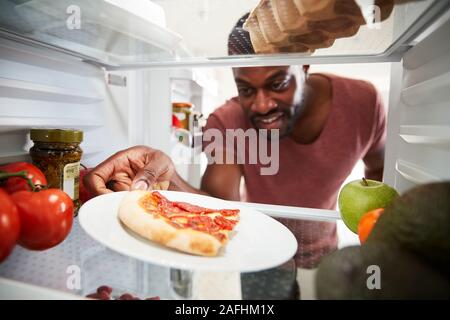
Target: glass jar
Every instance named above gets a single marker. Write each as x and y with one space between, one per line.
182 110
57 153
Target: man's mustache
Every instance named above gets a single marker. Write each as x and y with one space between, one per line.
273 111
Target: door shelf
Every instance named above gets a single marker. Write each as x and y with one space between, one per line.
431 135
414 173
431 91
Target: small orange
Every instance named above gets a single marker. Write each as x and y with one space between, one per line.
367 222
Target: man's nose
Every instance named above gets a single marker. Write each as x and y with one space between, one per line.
263 103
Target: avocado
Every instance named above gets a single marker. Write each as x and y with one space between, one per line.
345 274
419 221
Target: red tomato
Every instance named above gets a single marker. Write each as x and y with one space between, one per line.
16 183
367 222
46 217
9 225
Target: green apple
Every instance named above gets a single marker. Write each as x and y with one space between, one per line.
360 196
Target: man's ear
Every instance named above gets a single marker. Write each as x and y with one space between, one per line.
306 69
300 72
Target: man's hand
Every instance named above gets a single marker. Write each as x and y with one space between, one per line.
138 167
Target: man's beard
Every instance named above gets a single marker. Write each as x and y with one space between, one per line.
292 113
297 111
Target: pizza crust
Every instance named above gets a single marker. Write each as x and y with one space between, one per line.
137 219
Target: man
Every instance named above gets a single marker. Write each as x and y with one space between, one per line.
326 124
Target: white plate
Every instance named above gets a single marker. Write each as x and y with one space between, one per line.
259 243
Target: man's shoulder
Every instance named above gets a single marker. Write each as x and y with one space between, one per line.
354 91
230 106
352 85
356 99
228 115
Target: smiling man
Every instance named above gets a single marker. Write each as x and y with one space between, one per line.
326 124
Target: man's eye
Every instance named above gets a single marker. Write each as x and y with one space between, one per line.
279 85
246 92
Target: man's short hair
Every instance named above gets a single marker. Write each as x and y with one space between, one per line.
239 39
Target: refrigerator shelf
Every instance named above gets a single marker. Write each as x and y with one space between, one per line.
16 290
8 124
107 31
14 156
179 33
12 88
290 212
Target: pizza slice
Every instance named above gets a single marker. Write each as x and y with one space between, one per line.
178 225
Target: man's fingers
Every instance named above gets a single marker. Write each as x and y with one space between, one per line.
98 177
145 178
136 168
121 186
155 175
95 184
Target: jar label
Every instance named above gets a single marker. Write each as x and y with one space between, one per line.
180 115
71 177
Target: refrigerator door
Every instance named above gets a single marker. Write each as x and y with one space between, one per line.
173 33
418 144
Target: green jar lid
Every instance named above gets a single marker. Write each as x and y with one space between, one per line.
56 135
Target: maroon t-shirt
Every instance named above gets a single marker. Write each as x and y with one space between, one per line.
310 175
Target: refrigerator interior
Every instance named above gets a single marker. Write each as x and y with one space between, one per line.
117 82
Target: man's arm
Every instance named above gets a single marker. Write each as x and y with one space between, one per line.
222 181
142 167
374 164
219 180
374 158
145 168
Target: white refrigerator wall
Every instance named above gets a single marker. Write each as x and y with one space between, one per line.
43 88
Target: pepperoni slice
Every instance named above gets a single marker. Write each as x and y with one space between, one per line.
160 198
166 206
203 223
224 223
193 208
179 221
229 212
169 209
